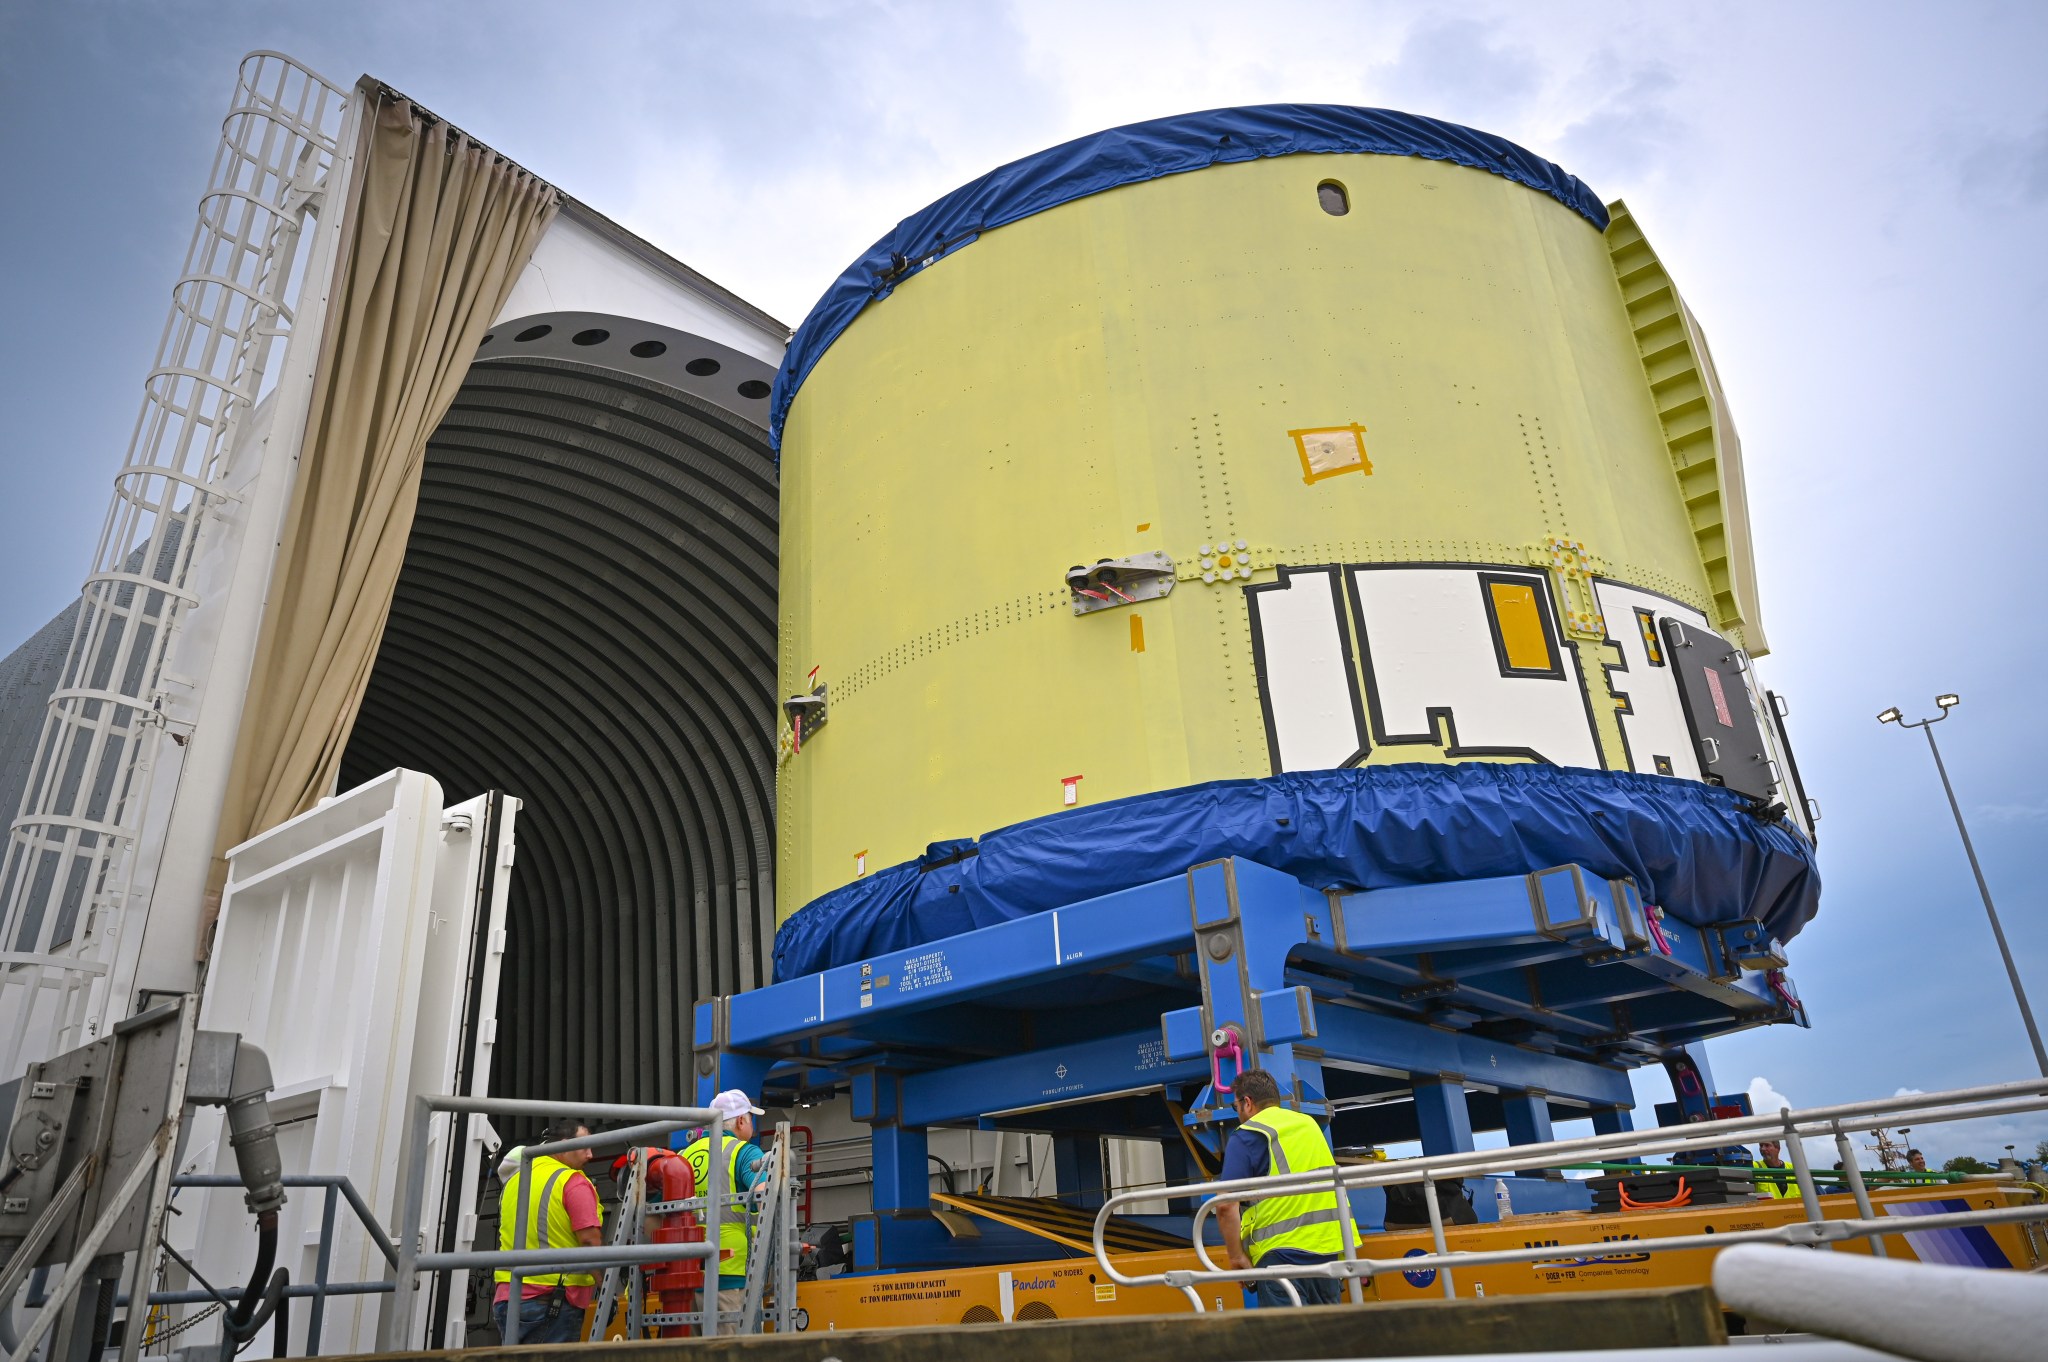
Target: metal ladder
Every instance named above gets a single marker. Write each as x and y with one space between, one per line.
630 1229
772 1251
768 1211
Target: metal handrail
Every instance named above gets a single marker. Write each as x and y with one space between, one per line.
394 1326
1787 1126
338 1186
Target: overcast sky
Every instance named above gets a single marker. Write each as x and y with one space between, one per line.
1853 197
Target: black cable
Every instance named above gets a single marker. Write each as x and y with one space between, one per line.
281 1335
271 1302
240 1318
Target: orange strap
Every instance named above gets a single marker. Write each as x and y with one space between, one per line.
1683 1197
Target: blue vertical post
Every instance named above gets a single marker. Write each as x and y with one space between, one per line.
902 1169
1613 1121
1179 1167
1697 1053
1528 1122
1441 1114
1077 1169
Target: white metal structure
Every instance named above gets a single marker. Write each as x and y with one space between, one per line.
72 877
1792 1128
1941 1314
345 948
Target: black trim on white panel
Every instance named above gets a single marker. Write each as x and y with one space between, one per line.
1536 584
1362 746
1443 724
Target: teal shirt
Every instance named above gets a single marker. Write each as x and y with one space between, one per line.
749 1174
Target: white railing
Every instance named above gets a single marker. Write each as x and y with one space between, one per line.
70 853
1786 1126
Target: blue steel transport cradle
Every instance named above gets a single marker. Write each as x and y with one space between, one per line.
1116 1014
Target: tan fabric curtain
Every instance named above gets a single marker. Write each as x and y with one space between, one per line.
440 230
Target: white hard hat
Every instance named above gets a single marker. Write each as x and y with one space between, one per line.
733 1104
509 1165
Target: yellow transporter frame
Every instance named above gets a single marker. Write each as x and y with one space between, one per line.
1594 1254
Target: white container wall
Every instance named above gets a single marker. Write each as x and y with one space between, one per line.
346 946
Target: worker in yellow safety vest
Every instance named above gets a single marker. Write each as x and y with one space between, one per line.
1297 1228
743 1168
1771 1175
1916 1164
562 1211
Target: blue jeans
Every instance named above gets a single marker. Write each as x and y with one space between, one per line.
543 1319
1314 1291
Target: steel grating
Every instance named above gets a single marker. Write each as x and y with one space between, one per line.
586 619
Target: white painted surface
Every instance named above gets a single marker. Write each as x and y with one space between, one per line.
1802 1351
575 269
1656 724
444 988
1426 644
341 949
1307 672
1917 1310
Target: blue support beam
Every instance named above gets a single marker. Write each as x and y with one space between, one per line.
1612 1120
1063 1074
1445 1124
1077 1170
1102 1017
902 1169
1115 929
1527 1118
1566 906
1349 1032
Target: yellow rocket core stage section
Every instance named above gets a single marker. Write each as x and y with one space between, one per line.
1212 366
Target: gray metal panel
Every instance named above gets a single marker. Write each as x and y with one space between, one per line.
27 676
586 619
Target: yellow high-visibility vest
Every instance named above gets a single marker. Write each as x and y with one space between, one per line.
545 1184
1780 1181
732 1229
1308 1221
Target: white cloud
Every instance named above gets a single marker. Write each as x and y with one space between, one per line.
1766 1100
2011 813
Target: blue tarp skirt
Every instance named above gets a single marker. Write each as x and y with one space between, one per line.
1694 850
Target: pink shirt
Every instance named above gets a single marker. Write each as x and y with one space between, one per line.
580 1199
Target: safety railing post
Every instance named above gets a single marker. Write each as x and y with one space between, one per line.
515 1295
1355 1288
714 1222
1809 1196
394 1325
322 1265
1436 1229
1856 1187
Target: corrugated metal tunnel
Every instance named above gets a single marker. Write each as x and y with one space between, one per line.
586 619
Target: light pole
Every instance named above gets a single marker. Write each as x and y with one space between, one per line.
1947 703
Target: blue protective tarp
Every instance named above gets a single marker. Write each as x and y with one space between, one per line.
1694 850
1129 155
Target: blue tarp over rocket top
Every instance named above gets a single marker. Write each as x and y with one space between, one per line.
1692 849
1129 155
